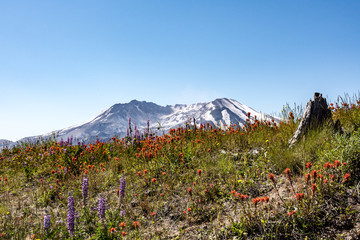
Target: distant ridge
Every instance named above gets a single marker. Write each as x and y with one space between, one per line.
4 142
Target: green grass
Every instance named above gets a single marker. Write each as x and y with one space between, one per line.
169 197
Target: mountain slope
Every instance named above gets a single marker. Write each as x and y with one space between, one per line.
115 120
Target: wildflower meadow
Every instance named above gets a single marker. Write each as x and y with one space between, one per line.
194 182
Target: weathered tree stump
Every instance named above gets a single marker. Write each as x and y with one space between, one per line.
317 113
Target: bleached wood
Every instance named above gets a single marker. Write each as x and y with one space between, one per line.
317 112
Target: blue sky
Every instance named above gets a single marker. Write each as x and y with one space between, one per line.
63 62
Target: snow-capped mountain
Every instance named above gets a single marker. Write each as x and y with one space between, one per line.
115 120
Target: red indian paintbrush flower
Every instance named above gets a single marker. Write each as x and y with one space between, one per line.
314 174
313 188
337 163
136 224
288 175
272 177
346 177
244 197
256 201
291 213
327 165
299 196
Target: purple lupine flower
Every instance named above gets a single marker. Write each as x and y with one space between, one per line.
102 207
122 213
71 214
85 186
122 187
136 135
47 222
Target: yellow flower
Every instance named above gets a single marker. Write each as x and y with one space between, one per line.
8 213
240 180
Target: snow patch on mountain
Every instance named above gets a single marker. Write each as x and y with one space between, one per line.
226 116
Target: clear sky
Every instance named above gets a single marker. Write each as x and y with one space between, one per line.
63 62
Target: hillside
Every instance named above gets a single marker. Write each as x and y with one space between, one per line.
206 182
